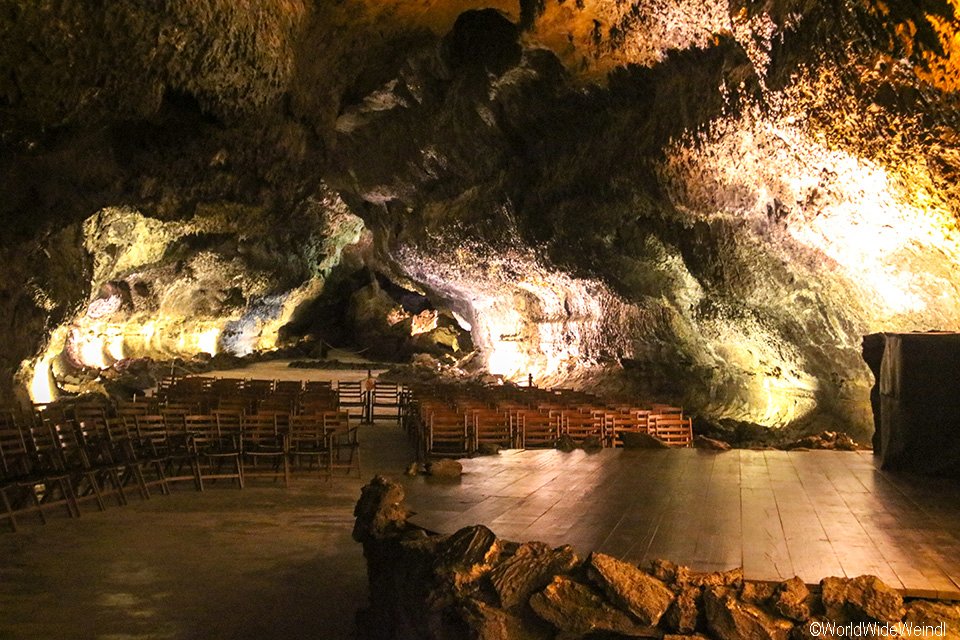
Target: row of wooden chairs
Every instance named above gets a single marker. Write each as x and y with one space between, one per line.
458 421
251 395
46 463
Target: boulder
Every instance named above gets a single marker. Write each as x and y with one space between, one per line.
703 442
792 600
470 546
444 468
530 569
487 622
488 449
684 614
925 613
757 592
729 618
664 570
574 608
730 578
831 440
566 444
379 512
860 599
645 597
592 443
637 440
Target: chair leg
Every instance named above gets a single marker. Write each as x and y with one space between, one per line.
161 474
198 477
239 472
70 497
9 510
136 470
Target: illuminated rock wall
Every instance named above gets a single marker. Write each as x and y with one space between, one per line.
222 281
708 202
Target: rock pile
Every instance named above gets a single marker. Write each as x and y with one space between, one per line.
471 584
832 440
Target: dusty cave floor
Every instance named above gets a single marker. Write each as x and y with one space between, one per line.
261 563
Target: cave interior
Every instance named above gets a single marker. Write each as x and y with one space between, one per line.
746 209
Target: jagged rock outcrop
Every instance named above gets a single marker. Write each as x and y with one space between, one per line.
473 584
860 599
528 570
576 610
642 595
728 618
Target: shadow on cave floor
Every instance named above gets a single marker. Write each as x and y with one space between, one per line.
260 563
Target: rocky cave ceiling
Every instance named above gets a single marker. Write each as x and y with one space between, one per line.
708 201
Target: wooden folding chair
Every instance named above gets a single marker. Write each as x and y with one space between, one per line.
214 449
28 482
167 441
674 430
140 457
490 426
538 430
308 441
263 442
580 426
446 433
343 441
386 401
631 420
351 398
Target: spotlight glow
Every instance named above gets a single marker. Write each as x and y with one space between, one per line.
207 340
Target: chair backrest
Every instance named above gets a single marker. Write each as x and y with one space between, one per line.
228 421
335 420
318 385
259 388
307 429
260 422
289 386
151 427
14 453
673 430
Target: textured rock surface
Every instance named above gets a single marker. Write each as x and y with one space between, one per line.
490 623
638 440
530 569
703 442
717 223
792 600
574 608
863 598
380 511
683 616
645 597
730 619
444 468
933 614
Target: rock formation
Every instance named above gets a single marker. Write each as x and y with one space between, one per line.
706 202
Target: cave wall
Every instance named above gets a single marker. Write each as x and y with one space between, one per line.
705 202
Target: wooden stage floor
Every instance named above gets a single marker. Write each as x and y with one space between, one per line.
775 513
